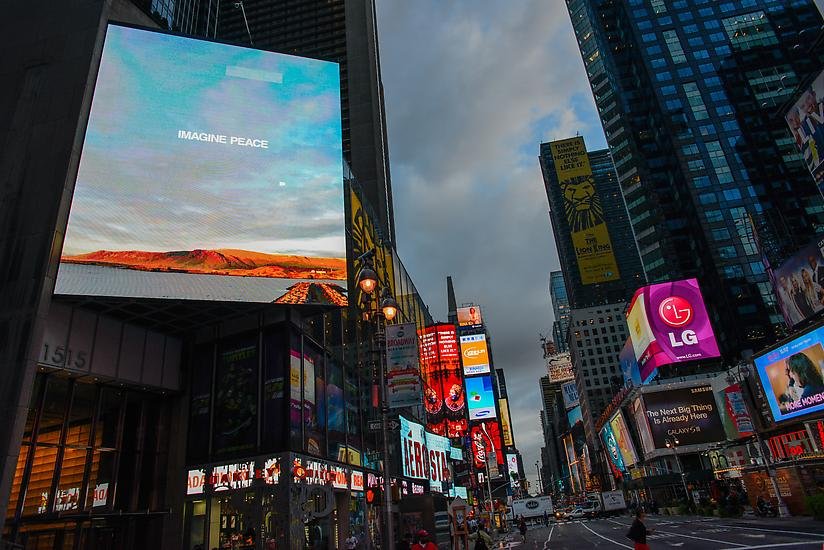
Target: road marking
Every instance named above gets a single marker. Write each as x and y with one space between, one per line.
755 535
776 545
585 526
688 536
772 530
549 537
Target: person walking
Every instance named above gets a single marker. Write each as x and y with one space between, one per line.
638 531
423 542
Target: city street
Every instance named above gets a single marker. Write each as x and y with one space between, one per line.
676 532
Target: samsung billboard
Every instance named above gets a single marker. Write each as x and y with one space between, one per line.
208 172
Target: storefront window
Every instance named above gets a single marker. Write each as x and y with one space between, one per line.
18 477
69 488
274 388
236 383
42 472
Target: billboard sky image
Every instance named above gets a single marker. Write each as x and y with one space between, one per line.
214 175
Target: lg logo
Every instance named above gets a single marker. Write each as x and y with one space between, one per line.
676 312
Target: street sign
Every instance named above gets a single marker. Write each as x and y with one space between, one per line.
377 425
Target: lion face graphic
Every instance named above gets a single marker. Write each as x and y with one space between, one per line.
581 205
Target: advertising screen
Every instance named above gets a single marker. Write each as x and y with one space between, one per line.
792 376
737 411
481 444
621 433
630 371
470 316
806 122
512 464
403 377
480 397
570 392
668 323
584 213
214 175
639 416
559 368
474 354
574 416
689 415
799 284
506 423
444 396
616 459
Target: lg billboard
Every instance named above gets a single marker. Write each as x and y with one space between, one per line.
208 172
668 323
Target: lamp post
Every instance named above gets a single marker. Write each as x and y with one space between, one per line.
488 477
380 314
673 444
783 511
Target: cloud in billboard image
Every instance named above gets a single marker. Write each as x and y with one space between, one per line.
208 172
793 376
668 323
799 284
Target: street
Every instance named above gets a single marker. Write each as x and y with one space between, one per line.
676 532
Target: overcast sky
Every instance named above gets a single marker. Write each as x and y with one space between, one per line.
472 89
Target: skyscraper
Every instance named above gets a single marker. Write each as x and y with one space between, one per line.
689 94
593 237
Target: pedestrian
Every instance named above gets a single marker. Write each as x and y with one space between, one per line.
546 518
405 543
423 542
522 527
480 540
351 542
638 531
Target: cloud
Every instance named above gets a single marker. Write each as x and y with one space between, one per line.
472 89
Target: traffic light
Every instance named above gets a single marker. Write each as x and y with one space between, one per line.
374 495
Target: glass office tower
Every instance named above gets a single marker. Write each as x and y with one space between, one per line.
690 96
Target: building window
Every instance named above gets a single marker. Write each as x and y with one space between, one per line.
750 30
699 109
674 46
658 6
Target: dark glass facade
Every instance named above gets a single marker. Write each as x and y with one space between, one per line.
615 217
560 308
689 94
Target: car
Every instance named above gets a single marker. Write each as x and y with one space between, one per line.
577 513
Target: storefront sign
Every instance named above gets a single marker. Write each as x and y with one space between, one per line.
425 455
66 499
101 495
356 481
196 482
233 476
417 488
316 472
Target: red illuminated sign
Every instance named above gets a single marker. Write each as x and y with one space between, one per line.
444 395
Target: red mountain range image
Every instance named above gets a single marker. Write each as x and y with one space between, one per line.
223 261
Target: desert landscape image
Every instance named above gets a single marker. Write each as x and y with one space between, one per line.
157 216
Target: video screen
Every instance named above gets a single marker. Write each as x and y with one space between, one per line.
689 415
214 175
792 376
480 398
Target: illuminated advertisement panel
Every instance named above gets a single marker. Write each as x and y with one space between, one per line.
559 368
474 354
622 438
470 316
480 397
616 459
425 455
806 122
481 443
799 284
403 377
737 413
506 423
215 175
639 416
792 376
583 212
444 396
668 323
570 392
689 415
512 464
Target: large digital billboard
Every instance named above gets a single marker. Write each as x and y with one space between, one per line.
559 368
668 323
806 122
470 316
689 415
480 443
208 172
799 284
403 377
569 390
424 455
584 212
792 376
474 354
506 423
480 398
444 395
618 425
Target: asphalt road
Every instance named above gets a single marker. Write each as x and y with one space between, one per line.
687 533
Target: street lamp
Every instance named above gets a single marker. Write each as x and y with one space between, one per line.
488 477
673 444
783 511
367 281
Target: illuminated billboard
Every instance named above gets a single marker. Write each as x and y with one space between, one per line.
403 377
570 392
480 397
792 376
481 440
470 316
616 459
799 284
583 212
668 323
444 396
559 368
689 415
805 121
208 172
506 423
474 354
424 455
618 426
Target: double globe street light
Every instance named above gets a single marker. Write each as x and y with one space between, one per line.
379 314
673 444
